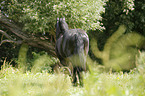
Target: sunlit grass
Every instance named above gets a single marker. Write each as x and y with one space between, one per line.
13 82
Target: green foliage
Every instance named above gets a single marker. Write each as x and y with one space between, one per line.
39 16
42 62
84 14
127 12
118 12
139 16
38 62
9 52
125 50
119 48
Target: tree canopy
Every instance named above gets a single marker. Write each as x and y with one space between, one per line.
37 16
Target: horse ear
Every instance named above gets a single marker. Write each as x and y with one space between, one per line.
57 19
57 22
64 18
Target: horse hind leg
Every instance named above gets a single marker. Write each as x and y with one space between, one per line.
74 77
80 78
77 77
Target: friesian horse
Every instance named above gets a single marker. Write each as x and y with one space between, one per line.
72 46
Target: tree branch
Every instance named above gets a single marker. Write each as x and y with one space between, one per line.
4 21
110 41
114 37
5 34
10 41
31 40
42 44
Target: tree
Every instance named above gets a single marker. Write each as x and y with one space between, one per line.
40 16
33 21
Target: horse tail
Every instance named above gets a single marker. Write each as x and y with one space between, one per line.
80 51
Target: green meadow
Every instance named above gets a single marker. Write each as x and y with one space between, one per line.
13 82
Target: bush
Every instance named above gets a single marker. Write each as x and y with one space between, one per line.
42 62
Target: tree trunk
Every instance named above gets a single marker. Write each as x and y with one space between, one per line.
22 57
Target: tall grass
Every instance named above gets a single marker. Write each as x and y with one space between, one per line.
13 82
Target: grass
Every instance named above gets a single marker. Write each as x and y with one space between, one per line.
15 83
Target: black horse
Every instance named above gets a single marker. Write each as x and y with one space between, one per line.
72 46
